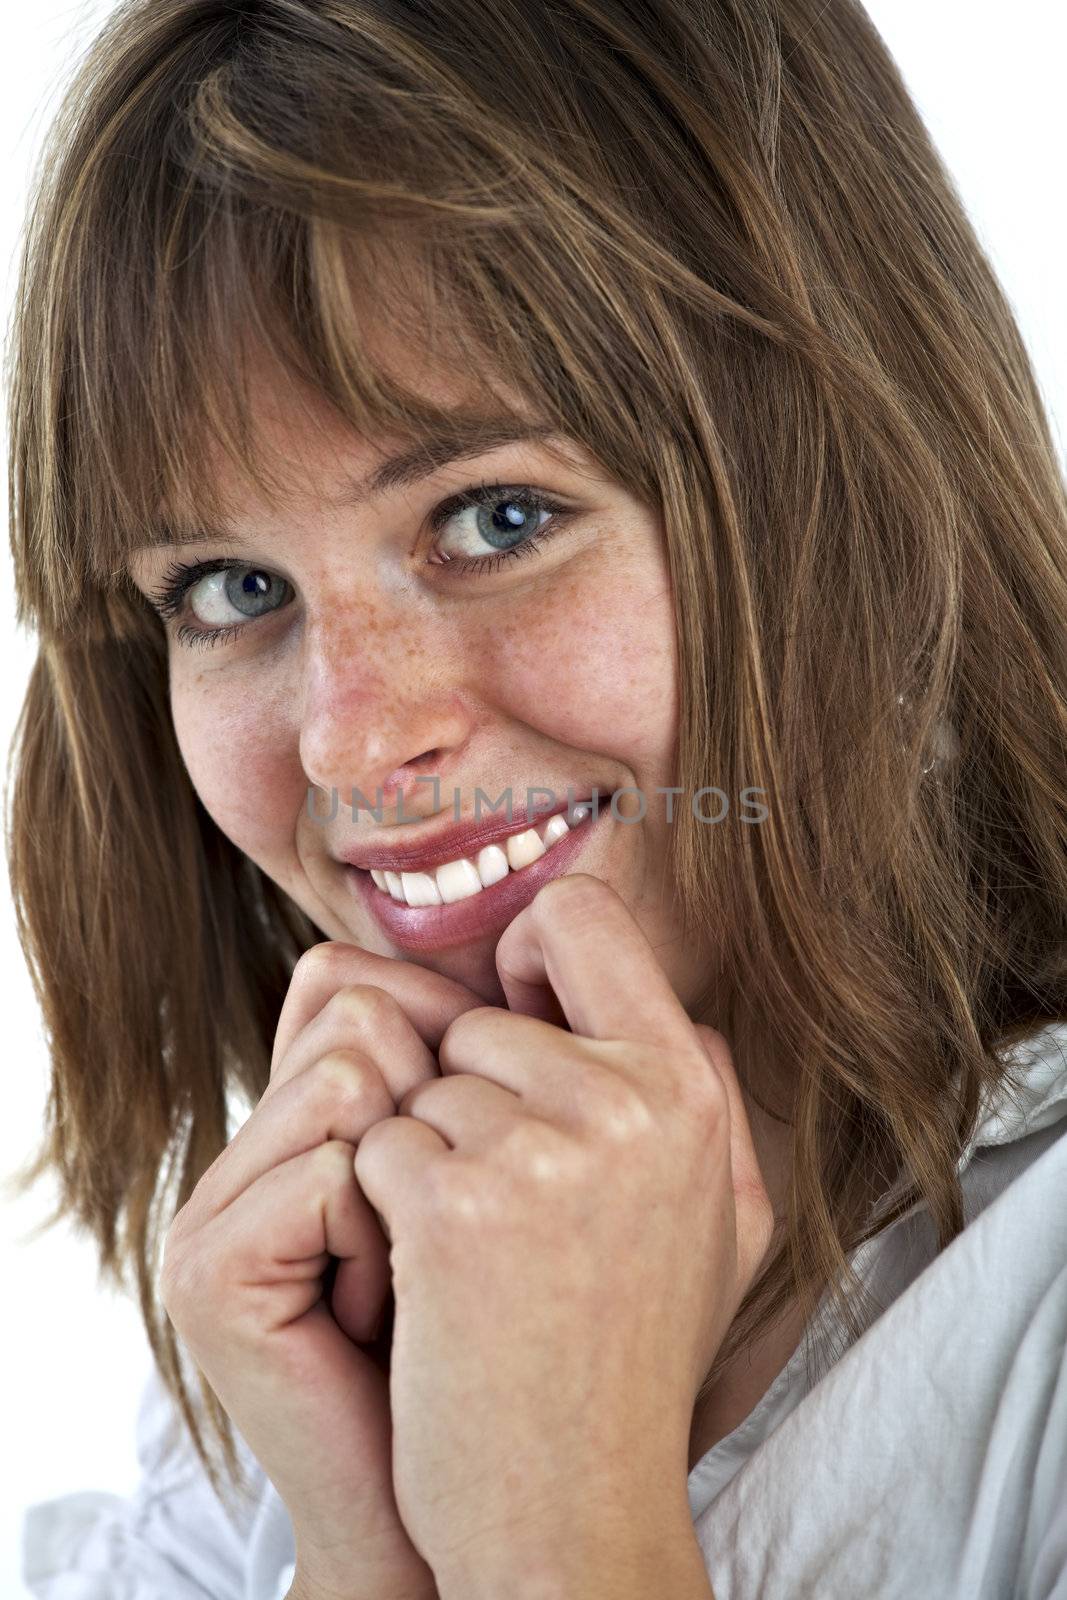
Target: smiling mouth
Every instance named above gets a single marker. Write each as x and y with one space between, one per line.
468 876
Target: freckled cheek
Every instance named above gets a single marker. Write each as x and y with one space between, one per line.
594 667
241 763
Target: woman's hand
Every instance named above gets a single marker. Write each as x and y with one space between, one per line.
244 1261
574 1218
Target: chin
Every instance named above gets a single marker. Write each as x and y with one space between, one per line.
472 964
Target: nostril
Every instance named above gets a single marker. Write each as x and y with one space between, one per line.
409 795
415 767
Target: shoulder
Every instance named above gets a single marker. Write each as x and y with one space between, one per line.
932 1455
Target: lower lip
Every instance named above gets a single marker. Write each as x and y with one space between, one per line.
479 915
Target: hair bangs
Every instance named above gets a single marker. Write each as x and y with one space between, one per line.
251 237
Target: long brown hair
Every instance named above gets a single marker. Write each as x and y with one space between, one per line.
710 240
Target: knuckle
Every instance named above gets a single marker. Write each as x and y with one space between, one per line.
620 1112
713 1051
475 1020
626 1119
383 1129
524 1144
462 1194
365 1008
540 1155
714 1040
702 1093
318 960
575 893
332 1162
346 1080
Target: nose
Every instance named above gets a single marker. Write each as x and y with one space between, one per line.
389 720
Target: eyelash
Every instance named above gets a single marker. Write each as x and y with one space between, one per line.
180 577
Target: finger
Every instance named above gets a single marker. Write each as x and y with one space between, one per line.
366 1317
428 998
392 1164
361 1017
338 1097
277 1237
529 1057
530 994
579 939
466 1111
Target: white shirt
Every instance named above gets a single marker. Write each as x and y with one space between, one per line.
927 1462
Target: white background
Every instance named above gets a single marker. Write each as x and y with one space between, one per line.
73 1358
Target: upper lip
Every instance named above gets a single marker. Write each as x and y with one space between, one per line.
452 843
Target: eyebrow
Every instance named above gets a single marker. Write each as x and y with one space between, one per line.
462 442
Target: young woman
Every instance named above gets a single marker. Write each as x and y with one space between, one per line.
419 409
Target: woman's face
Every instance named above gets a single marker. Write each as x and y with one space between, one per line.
365 660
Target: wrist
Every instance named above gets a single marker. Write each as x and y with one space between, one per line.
302 1591
359 1570
304 1587
665 1561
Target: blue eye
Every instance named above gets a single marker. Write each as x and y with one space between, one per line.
247 590
505 519
506 523
209 588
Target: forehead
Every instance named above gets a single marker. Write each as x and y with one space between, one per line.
296 426
393 383
317 460
306 451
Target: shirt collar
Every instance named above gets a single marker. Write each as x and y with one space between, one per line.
1031 1095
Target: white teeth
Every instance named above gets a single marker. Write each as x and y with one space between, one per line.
458 879
420 889
492 865
555 828
523 848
